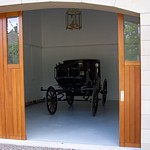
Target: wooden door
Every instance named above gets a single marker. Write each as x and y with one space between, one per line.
129 88
12 89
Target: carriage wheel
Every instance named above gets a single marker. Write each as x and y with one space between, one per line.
94 104
70 99
104 94
51 98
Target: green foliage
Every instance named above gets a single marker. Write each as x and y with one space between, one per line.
132 41
13 53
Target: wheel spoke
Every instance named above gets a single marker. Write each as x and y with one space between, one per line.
48 96
104 95
51 100
52 93
52 107
94 102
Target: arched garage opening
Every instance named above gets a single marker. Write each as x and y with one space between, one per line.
121 65
47 42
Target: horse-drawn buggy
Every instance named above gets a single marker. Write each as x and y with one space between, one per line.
80 77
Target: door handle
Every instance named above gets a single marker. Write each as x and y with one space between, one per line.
122 96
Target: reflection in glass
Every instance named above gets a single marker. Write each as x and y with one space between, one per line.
13 40
132 41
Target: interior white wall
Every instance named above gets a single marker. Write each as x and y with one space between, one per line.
47 42
32 55
97 39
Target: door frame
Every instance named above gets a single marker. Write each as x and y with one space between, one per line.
2 102
121 77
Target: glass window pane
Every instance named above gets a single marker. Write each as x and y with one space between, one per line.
132 41
13 40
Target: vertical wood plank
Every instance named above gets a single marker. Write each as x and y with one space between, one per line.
18 104
121 77
14 101
9 104
138 105
1 76
6 87
2 109
127 100
22 102
132 105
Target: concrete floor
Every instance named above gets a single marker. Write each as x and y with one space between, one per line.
74 124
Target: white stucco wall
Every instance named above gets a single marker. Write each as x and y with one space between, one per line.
145 75
129 6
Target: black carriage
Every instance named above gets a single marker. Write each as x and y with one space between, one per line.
80 77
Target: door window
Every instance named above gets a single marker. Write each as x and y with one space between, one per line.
13 40
132 41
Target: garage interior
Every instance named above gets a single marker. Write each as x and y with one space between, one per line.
47 42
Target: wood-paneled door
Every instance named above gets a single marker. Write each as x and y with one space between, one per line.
12 122
129 83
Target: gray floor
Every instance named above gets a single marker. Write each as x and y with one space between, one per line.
74 124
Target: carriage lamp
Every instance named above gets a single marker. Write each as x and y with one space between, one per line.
80 63
96 65
73 19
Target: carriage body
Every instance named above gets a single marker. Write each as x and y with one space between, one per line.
80 77
75 75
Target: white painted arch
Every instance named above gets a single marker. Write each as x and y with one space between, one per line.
138 6
117 6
